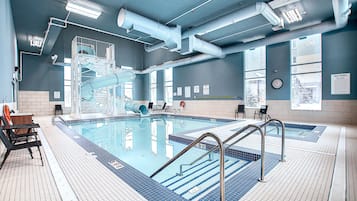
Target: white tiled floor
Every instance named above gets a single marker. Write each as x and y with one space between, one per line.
307 174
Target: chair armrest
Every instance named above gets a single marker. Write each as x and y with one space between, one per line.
21 126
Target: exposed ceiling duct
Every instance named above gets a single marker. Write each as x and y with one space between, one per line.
134 22
191 44
238 16
341 10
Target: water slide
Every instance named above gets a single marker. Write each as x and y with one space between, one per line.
88 88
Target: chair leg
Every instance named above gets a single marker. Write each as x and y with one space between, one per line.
30 151
6 155
39 151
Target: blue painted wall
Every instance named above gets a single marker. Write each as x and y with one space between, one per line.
339 55
41 75
224 76
8 51
278 66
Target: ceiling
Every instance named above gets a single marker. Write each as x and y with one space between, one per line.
31 18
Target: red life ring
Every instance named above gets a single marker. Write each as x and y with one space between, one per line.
182 104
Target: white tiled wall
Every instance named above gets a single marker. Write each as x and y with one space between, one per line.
333 111
37 103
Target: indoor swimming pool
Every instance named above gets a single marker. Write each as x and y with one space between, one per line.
145 144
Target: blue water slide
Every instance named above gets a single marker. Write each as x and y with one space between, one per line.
88 88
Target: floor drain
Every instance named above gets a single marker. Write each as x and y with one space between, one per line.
115 164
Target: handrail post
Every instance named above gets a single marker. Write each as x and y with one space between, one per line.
282 159
221 161
282 142
262 147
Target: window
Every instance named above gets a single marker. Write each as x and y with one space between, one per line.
67 83
168 86
254 77
153 86
306 75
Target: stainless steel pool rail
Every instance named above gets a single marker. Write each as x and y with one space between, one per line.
282 159
255 128
246 135
187 148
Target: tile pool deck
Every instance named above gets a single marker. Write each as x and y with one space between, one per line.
306 175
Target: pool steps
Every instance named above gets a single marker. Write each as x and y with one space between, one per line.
201 178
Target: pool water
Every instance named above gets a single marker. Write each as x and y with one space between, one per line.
310 133
139 141
144 144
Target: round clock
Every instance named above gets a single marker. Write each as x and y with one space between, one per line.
277 83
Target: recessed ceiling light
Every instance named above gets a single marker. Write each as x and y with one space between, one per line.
84 7
292 15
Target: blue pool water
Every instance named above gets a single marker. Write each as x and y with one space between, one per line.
139 141
144 144
310 133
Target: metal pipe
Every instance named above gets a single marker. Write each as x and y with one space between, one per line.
101 31
189 11
187 148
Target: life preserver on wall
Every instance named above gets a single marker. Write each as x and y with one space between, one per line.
182 103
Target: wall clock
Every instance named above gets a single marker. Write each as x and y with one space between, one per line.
277 83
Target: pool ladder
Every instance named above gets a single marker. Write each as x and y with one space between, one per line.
221 148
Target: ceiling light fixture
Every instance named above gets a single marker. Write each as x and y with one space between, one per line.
292 15
83 7
35 41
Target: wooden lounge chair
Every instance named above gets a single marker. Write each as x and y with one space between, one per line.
13 141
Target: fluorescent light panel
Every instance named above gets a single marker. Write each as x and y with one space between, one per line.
85 8
36 41
292 15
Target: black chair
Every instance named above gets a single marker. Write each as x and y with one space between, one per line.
240 109
151 104
14 141
262 112
58 108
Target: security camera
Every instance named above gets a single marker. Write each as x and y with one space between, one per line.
54 58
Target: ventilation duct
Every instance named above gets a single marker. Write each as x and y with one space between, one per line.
134 22
341 10
194 44
238 16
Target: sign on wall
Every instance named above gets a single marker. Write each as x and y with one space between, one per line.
187 91
205 89
340 84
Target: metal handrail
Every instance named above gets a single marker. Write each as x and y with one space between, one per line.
282 136
239 139
198 140
224 142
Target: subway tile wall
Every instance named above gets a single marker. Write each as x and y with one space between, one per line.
37 103
333 111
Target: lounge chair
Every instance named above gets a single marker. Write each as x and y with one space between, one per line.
262 113
240 109
13 141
